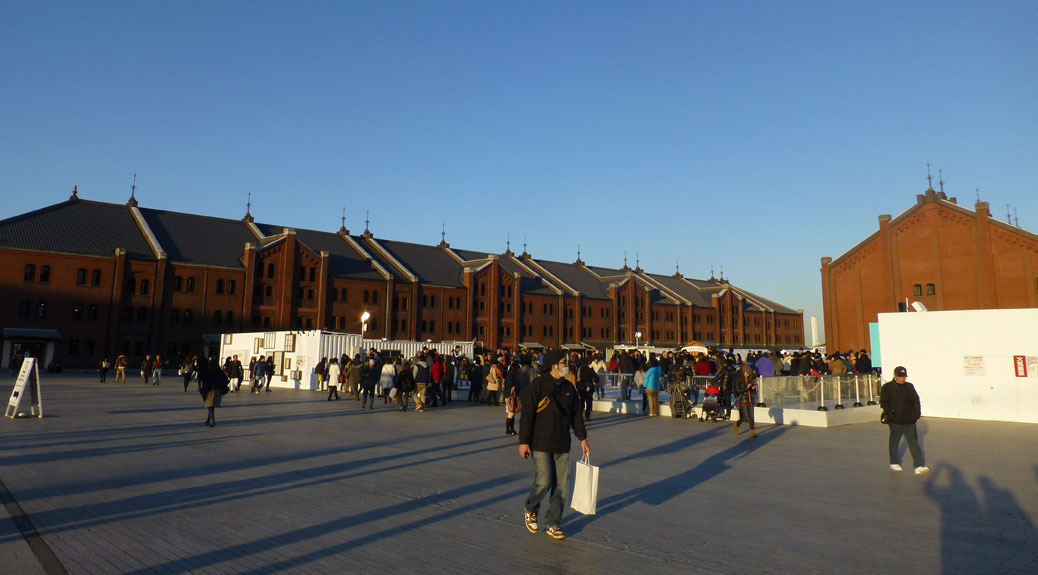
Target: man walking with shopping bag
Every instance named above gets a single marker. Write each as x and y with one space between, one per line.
550 409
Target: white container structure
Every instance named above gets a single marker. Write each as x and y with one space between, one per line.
297 352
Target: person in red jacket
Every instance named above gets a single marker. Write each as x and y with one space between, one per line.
436 372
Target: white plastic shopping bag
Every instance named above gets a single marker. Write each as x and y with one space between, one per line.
585 487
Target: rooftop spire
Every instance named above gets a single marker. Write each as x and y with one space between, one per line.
367 223
711 271
524 246
508 243
929 178
248 210
940 179
978 195
133 191
579 261
343 229
75 194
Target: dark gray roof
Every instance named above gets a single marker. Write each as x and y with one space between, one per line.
193 239
343 260
775 306
575 277
77 227
431 264
527 283
680 287
605 272
469 255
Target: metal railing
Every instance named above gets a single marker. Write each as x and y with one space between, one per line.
820 393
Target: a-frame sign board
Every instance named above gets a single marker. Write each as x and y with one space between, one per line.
29 376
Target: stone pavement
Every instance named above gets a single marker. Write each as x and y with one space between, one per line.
126 479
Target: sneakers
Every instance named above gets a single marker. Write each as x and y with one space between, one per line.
555 532
895 467
921 470
531 521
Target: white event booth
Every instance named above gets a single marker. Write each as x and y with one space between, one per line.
975 364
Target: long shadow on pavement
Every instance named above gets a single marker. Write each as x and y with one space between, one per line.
997 536
662 491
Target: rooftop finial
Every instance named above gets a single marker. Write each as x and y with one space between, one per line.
508 243
524 246
1016 218
75 193
133 191
978 195
940 179
929 178
578 252
367 220
248 210
1009 216
625 259
443 232
677 267
722 273
343 228
711 271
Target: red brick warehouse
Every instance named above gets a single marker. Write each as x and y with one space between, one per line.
84 280
937 252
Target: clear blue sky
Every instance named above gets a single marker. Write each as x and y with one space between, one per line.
757 136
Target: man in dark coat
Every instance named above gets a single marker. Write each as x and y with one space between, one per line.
550 409
901 410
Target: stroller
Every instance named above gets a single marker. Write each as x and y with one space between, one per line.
711 404
679 390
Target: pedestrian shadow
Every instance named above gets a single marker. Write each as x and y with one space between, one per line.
985 532
666 489
139 479
140 506
346 524
49 456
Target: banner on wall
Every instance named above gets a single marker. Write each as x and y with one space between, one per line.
1025 365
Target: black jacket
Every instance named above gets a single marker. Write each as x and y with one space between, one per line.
900 402
550 409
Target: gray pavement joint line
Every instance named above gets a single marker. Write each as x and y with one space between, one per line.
48 560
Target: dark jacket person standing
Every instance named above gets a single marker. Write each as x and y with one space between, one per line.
550 408
901 409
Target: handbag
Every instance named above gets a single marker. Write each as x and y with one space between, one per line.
585 487
884 417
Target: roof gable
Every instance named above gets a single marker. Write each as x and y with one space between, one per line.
77 227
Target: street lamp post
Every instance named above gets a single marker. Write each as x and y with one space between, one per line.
637 337
364 323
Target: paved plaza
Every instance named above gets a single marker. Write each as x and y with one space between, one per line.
126 479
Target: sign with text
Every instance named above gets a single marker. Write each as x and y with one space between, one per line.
1025 365
973 365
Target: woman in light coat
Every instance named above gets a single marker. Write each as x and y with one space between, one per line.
332 379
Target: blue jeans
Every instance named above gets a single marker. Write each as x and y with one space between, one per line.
367 393
909 431
552 469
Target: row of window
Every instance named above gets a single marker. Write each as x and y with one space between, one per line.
917 289
30 273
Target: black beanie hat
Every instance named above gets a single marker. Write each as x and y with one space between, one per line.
551 358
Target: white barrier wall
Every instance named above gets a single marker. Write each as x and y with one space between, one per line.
977 364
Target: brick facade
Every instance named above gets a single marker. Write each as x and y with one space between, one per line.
937 253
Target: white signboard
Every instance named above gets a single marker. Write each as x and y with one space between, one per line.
973 365
28 369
